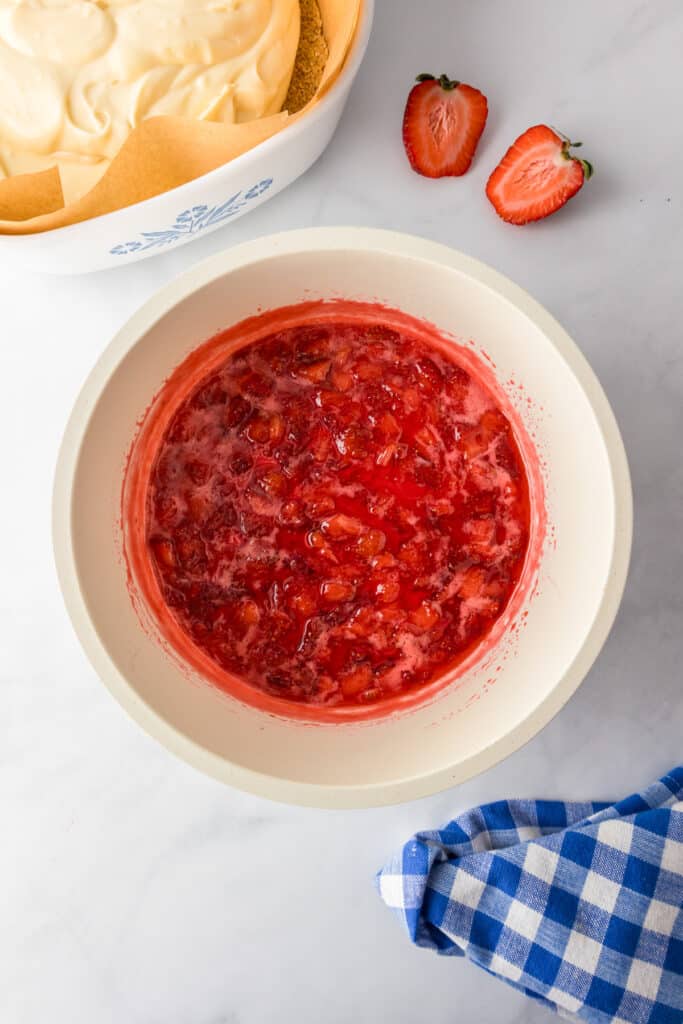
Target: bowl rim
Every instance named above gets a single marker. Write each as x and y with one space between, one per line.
333 240
348 72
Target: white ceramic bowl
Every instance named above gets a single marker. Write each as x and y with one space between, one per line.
203 205
502 700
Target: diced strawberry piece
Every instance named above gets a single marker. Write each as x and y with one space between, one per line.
514 539
457 386
472 582
481 536
481 477
371 543
441 507
255 519
191 551
510 491
330 400
368 696
426 616
413 555
303 601
236 411
389 426
276 427
386 454
326 686
292 513
199 506
493 423
362 622
240 464
365 370
411 400
383 561
182 426
163 552
493 588
336 591
482 503
352 443
380 332
258 429
320 444
315 372
429 376
341 379
354 682
505 457
312 341
166 510
474 443
248 612
428 441
340 526
273 482
319 507
388 589
276 355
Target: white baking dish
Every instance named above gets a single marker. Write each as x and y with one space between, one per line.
203 205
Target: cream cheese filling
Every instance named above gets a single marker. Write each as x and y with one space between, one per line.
77 76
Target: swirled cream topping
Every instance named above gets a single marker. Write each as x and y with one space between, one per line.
77 76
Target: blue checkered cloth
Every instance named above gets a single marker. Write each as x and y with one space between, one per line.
579 905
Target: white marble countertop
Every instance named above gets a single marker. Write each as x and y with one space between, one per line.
136 890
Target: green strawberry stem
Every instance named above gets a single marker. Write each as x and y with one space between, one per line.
567 144
444 81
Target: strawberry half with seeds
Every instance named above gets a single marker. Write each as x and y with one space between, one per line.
537 176
442 125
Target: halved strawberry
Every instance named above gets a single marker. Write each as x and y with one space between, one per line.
442 125
536 176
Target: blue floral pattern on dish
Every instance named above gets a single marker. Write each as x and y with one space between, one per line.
191 222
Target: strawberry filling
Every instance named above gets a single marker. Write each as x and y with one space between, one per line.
338 514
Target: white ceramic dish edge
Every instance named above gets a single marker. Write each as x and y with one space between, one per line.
200 206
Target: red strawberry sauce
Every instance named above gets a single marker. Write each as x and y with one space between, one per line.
335 513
